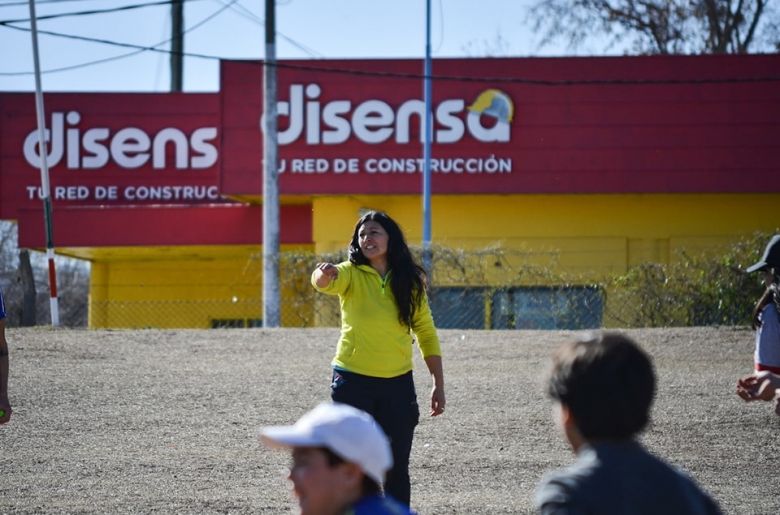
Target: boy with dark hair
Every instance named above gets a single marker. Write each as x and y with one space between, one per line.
340 459
603 388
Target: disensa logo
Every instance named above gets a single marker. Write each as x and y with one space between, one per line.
495 103
129 147
487 118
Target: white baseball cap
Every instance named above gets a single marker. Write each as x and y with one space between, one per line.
349 432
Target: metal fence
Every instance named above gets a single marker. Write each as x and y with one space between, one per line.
452 308
517 308
491 288
537 307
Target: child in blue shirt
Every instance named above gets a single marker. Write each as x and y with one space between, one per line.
340 457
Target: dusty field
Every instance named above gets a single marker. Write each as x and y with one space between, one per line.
165 421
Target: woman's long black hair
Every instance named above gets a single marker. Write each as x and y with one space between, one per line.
406 280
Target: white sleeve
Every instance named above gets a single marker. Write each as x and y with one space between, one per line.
768 337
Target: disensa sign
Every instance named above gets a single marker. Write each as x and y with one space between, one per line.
357 127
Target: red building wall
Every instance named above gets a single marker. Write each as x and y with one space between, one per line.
662 124
597 125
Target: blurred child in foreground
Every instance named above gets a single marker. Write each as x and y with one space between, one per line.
340 457
603 388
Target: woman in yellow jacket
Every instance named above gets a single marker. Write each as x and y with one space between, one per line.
384 307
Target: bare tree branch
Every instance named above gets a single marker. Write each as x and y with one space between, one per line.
745 43
660 26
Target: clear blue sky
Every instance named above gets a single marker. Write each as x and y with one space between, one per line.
306 29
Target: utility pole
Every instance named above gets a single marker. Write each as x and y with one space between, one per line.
270 175
426 188
177 45
44 164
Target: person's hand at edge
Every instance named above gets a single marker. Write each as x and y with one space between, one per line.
758 386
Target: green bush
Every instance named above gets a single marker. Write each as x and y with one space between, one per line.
695 290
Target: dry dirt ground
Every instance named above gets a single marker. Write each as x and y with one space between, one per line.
166 421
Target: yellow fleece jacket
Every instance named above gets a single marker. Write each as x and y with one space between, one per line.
373 342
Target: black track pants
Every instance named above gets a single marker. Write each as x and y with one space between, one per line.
393 404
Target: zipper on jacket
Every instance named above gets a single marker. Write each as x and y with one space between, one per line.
383 282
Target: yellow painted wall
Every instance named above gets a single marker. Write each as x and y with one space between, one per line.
584 237
578 238
186 287
590 234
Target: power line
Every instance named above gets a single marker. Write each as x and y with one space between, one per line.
527 81
91 12
415 76
109 42
38 2
140 49
239 9
235 6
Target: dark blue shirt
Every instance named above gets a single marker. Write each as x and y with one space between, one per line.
378 505
621 478
2 306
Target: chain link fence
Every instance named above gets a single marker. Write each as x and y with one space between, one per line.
28 304
491 288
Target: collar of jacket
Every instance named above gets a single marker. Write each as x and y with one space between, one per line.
371 270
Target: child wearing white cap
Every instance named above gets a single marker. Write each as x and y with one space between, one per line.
340 458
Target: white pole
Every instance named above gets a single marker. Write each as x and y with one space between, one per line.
270 176
427 264
45 188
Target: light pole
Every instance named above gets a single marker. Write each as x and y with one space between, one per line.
270 175
44 165
426 188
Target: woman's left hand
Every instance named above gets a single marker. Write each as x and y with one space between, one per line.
437 393
437 401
